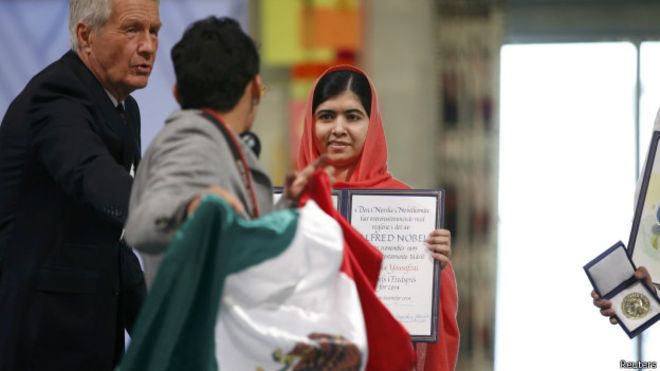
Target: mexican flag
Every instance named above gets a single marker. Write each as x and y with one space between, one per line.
282 292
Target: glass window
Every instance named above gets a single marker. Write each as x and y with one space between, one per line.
650 94
566 185
649 105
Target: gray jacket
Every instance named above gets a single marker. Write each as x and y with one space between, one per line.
187 156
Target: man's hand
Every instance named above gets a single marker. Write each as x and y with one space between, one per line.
219 191
295 183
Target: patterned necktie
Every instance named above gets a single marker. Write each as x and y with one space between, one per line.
129 152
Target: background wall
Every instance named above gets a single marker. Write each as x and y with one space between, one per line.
34 33
400 56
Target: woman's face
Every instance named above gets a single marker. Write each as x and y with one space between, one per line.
341 126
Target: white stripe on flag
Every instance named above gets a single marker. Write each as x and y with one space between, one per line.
297 308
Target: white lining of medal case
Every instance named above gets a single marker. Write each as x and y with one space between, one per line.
611 271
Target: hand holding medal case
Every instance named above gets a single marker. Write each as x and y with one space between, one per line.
612 276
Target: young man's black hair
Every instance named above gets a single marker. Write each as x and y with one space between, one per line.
213 63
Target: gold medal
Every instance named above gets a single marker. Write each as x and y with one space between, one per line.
635 305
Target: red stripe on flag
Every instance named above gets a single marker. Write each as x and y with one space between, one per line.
389 343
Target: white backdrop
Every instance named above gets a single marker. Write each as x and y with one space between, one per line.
566 192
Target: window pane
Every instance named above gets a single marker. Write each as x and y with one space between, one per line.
566 187
650 98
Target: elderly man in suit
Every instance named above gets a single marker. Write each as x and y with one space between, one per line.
68 144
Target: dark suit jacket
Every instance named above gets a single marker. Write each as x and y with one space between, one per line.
65 155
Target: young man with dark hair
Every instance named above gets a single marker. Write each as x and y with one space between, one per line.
199 150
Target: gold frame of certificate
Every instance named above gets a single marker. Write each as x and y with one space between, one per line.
644 243
397 222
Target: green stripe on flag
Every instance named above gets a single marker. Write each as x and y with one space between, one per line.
175 330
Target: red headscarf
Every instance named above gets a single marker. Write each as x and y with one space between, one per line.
371 172
371 167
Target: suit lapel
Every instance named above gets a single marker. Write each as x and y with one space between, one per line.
259 174
251 159
112 122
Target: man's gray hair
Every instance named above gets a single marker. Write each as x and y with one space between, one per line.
93 13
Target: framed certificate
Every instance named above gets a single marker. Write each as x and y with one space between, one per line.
397 222
644 243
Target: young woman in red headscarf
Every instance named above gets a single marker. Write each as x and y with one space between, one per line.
343 121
